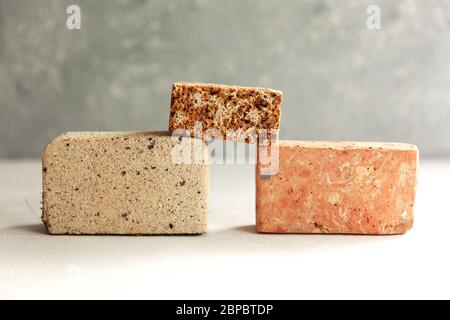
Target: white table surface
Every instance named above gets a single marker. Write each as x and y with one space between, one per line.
231 260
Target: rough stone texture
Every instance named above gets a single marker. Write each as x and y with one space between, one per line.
122 183
340 80
339 187
225 108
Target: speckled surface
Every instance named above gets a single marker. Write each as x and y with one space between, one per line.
339 187
122 183
237 113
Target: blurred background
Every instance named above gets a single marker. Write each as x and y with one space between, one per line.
341 80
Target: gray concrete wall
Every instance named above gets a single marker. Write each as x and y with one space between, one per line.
340 79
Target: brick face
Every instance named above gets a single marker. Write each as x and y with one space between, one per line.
122 183
224 108
338 187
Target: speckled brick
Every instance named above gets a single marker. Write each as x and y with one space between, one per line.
225 108
339 187
122 183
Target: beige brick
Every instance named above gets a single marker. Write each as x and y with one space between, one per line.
122 183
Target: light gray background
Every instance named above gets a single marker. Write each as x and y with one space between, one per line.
340 80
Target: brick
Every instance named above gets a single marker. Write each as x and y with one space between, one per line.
338 187
225 108
122 183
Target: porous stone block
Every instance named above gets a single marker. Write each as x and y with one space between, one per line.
338 187
231 111
122 183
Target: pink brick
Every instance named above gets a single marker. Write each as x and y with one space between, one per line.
338 187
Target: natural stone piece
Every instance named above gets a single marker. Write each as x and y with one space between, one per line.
238 110
338 187
122 183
